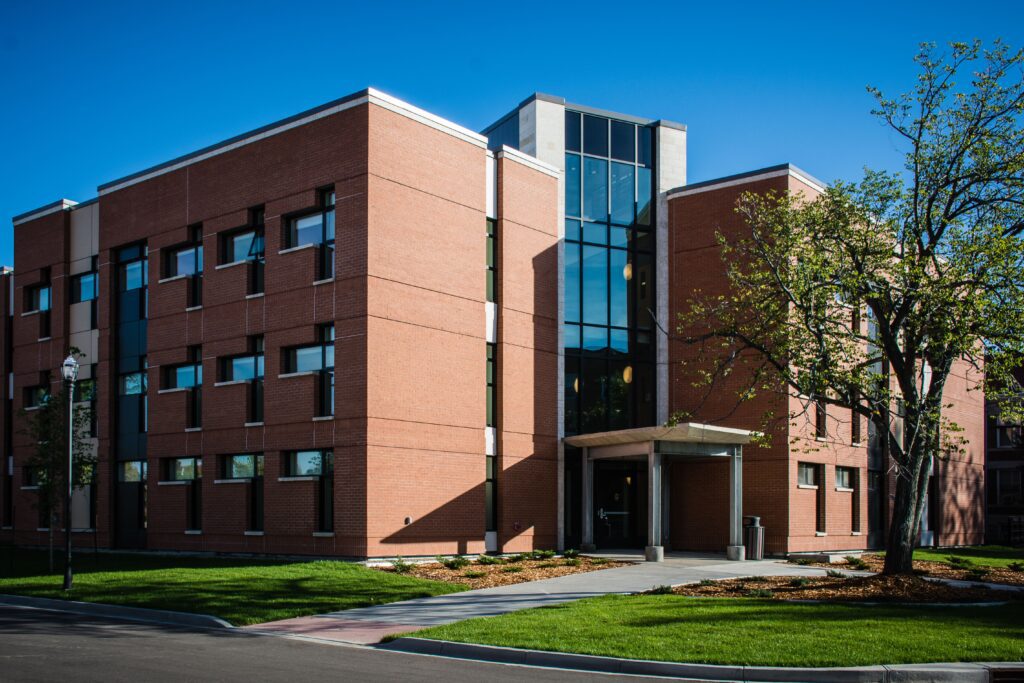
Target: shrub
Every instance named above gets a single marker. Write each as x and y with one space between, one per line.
836 574
572 562
599 560
511 570
958 561
802 561
515 558
1016 566
456 562
489 559
800 582
976 573
542 554
755 579
546 565
401 566
474 574
571 553
856 563
707 582
661 590
759 593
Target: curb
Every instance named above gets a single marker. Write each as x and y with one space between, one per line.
902 673
157 616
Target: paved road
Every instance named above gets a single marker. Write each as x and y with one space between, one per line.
40 645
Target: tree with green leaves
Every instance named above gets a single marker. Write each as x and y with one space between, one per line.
868 295
47 427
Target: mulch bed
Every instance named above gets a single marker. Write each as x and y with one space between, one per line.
848 589
941 570
508 572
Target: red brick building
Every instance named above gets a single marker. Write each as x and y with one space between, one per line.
366 331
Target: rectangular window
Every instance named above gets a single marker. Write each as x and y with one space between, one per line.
309 463
246 466
31 476
37 298
312 358
807 474
133 471
595 135
491 495
132 275
184 469
36 396
84 287
244 246
491 352
844 478
185 261
490 260
184 376
820 420
132 384
595 189
85 390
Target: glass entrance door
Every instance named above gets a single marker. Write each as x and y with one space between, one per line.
619 521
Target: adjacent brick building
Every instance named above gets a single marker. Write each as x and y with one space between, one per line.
367 331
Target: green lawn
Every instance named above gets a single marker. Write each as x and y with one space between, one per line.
981 555
753 632
240 591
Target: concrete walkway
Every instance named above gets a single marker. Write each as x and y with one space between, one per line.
370 624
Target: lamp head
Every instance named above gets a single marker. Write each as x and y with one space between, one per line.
69 369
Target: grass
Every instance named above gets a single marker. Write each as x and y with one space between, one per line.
241 591
981 555
753 632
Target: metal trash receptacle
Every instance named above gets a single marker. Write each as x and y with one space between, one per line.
753 538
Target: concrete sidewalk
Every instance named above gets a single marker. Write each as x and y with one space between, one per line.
370 624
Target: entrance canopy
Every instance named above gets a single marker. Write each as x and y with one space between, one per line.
686 440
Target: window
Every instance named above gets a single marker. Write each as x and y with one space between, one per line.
84 287
184 469
85 390
844 478
133 471
31 476
313 358
316 228
243 368
132 275
491 495
37 298
36 396
1005 488
244 246
132 384
185 376
246 466
491 422
309 463
185 261
807 474
490 261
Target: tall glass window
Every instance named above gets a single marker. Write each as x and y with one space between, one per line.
609 274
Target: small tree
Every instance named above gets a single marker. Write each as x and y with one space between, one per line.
866 296
47 427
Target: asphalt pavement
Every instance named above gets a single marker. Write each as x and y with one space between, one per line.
42 645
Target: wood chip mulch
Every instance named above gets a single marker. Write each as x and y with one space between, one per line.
942 570
507 572
849 589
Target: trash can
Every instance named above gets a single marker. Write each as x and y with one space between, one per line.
753 538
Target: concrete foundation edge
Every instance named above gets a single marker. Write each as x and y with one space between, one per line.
93 609
903 673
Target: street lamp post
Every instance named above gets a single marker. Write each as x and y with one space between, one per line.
70 371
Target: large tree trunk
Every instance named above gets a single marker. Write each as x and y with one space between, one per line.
911 488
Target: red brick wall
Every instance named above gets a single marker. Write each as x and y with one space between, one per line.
698 510
424 340
527 298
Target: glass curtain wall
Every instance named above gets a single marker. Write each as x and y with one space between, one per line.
609 274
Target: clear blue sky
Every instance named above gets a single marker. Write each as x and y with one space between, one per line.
92 91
